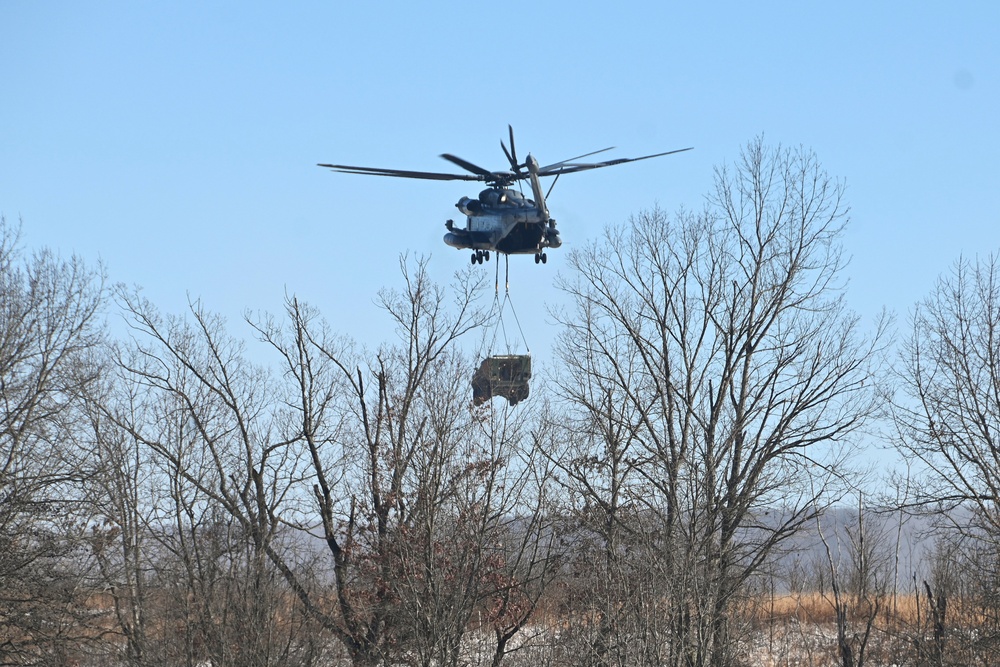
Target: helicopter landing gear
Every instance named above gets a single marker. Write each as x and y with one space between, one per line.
541 257
480 256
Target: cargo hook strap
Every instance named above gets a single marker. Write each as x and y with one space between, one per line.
498 306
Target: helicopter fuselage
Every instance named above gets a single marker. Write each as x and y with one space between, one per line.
504 221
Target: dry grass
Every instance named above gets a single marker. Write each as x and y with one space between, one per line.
817 608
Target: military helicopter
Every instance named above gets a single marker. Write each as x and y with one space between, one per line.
502 219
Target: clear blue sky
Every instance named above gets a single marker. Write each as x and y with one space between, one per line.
177 142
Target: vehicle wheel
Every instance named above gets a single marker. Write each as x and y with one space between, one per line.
545 258
473 258
486 255
537 258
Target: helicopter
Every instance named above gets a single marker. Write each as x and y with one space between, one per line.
501 219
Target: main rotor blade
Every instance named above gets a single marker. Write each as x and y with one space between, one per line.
468 166
513 150
510 158
400 173
570 169
561 163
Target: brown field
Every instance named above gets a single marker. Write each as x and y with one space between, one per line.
818 608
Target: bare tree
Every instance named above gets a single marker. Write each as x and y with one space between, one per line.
712 365
948 411
860 571
382 446
197 428
121 499
391 508
49 323
947 416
